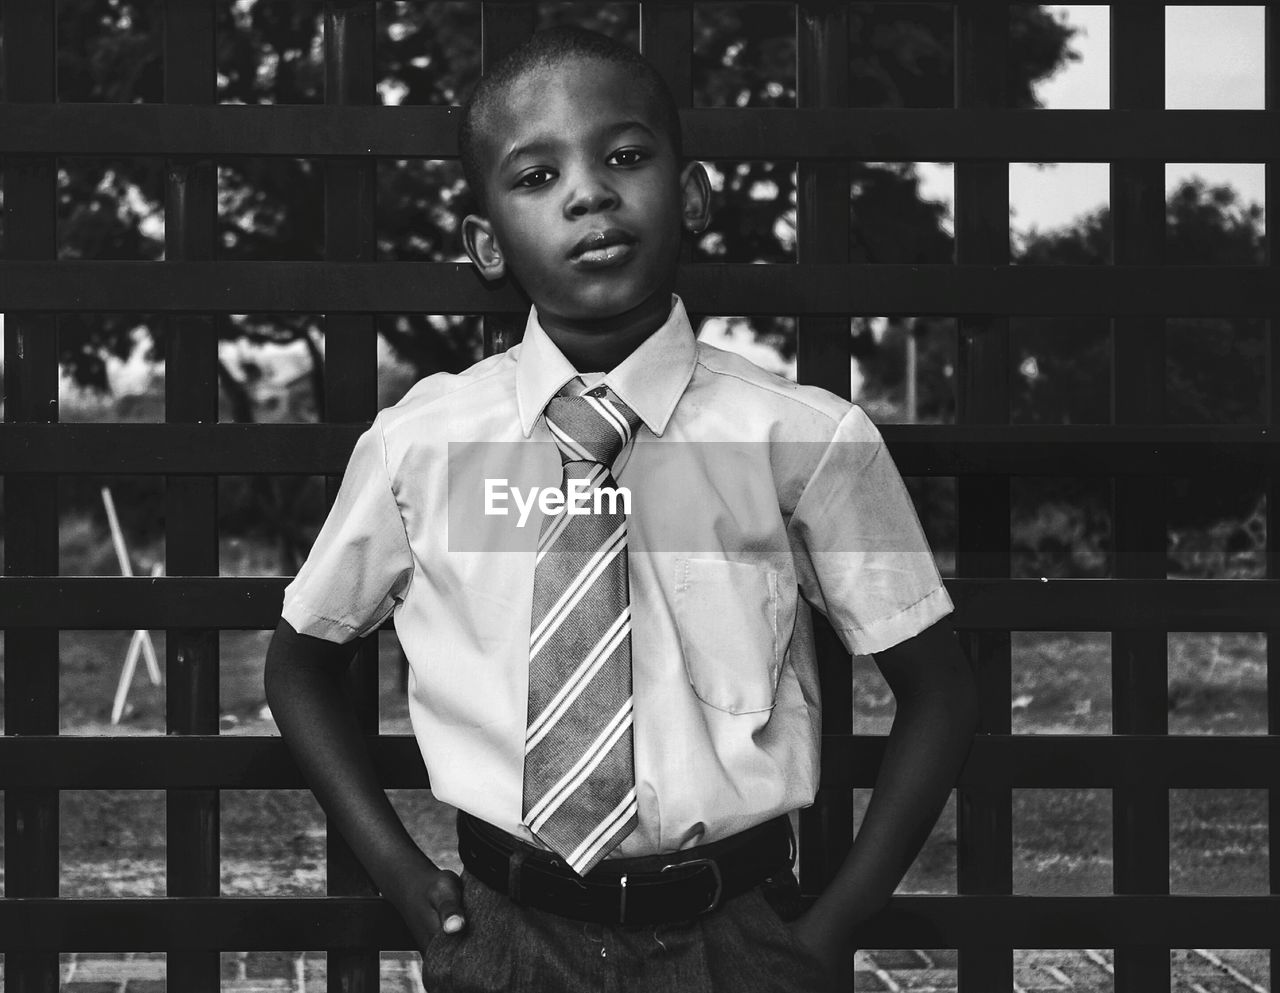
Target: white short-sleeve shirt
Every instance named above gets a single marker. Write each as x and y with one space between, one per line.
752 499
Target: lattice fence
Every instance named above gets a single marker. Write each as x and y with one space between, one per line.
1139 763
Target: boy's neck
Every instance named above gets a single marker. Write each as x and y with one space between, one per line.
600 345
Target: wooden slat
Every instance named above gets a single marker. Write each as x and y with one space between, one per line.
30 503
1139 670
207 762
90 603
822 359
918 449
503 25
419 131
984 820
1271 62
192 816
448 287
272 923
351 395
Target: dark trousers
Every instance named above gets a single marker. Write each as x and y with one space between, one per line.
744 946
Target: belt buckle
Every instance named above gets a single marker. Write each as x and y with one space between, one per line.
715 874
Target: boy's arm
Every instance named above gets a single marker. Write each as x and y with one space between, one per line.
304 690
937 714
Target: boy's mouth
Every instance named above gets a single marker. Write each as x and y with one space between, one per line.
608 247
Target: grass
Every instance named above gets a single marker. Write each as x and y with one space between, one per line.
273 842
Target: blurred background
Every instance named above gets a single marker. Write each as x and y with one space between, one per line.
903 370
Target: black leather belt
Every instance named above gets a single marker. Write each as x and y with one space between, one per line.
653 889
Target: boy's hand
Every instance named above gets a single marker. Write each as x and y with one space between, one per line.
430 903
830 949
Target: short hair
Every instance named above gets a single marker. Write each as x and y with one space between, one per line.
543 50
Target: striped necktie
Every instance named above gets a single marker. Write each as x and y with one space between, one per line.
579 774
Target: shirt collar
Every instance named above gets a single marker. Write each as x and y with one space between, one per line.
650 380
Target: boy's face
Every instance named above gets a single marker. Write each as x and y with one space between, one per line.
586 201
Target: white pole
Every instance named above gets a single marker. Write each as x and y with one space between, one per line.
913 400
141 641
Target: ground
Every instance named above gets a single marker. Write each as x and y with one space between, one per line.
112 842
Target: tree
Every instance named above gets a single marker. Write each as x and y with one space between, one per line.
1214 375
271 51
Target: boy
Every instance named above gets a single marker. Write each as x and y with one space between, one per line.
624 734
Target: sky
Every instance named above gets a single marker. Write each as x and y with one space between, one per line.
1213 61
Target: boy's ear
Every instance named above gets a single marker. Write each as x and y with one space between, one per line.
482 246
695 192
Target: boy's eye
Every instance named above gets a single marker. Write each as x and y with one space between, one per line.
628 156
534 177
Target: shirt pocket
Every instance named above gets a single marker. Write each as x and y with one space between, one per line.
727 615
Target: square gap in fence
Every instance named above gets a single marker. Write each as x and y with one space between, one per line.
111 682
1061 370
874 704
1049 970
298 972
242 702
934 869
904 368
1059 213
744 55
266 524
110 208
753 213
1217 682
901 55
272 843
934 498
419 210
765 340
110 54
271 209
107 972
110 368
111 526
1229 970
1061 682
393 682
620 21
901 212
1214 57
426 53
271 368
269 58
1081 84
1215 370
111 843
928 970
1060 527
1215 213
1062 844
1218 841
1217 526
431 823
400 969
412 346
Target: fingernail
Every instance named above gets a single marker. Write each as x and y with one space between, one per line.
453 924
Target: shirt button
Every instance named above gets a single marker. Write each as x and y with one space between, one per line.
599 391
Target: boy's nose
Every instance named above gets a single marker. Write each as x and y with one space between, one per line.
591 196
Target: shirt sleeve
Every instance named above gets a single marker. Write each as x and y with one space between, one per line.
861 556
360 564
